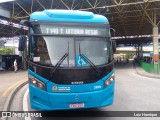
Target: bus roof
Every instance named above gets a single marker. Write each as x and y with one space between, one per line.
67 16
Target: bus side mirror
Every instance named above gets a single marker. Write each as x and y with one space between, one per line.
114 45
22 43
25 22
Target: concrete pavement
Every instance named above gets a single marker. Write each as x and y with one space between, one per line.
9 81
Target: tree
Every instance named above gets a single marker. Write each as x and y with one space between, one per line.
129 55
6 51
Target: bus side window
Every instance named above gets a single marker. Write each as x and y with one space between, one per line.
32 46
110 52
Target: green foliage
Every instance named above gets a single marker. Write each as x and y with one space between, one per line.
129 55
6 51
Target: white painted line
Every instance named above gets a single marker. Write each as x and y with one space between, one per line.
25 104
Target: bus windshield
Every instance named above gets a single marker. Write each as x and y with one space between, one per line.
50 49
49 43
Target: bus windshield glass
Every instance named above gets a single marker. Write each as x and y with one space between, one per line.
49 49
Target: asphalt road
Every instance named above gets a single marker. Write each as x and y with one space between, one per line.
132 93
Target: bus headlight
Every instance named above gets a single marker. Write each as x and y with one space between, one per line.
34 81
109 80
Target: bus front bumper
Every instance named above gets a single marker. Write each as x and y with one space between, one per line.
43 100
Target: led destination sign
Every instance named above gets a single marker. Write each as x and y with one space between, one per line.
72 31
55 30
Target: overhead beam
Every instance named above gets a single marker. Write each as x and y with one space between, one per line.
143 16
124 4
93 7
121 15
41 4
22 8
65 5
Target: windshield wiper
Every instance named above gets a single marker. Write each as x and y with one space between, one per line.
91 63
88 61
60 62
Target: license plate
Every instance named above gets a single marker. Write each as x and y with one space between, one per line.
77 105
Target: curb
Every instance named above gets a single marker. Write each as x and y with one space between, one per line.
10 97
147 74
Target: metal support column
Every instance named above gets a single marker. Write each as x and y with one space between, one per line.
141 55
155 41
138 51
25 55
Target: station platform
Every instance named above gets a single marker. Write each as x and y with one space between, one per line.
142 72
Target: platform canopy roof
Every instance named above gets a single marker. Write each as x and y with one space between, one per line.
127 17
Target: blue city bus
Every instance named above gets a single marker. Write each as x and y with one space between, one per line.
70 60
